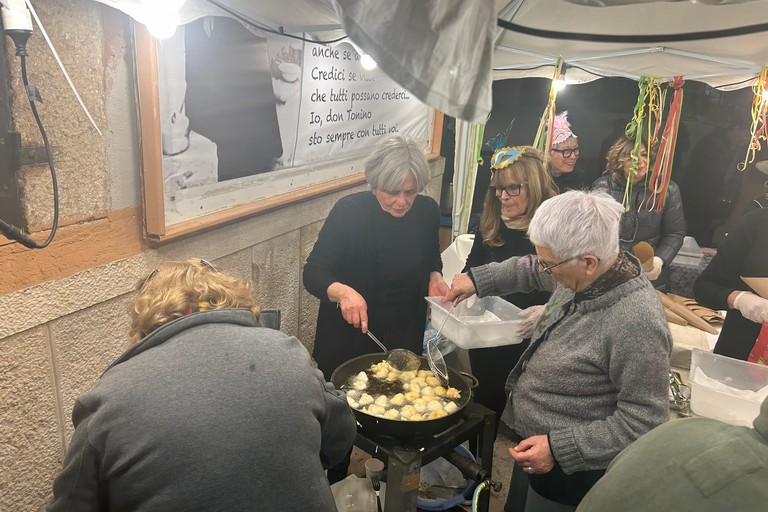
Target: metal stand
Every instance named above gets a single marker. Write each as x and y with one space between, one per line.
404 458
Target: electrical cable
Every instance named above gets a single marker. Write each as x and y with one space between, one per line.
9 230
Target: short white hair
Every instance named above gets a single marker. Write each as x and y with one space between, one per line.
389 165
578 223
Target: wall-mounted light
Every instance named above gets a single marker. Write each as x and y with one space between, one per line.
365 60
161 17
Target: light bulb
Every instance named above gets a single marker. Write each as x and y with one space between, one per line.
764 95
559 84
367 62
162 17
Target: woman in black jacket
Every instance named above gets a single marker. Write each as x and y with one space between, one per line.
663 229
720 286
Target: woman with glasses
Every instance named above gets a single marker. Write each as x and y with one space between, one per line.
595 375
563 156
663 228
519 184
206 410
375 259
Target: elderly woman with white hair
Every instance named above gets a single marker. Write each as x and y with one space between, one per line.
595 375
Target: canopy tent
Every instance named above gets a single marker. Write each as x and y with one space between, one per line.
447 52
719 42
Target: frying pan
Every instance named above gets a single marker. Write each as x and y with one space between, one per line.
401 429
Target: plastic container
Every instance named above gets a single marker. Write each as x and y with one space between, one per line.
477 323
727 389
690 254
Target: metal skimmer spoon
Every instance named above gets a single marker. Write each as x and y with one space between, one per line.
400 358
434 356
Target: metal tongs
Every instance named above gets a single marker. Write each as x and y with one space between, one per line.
681 395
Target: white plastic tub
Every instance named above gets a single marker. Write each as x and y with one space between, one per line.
727 389
477 323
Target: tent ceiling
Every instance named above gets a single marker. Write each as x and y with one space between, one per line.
424 46
718 61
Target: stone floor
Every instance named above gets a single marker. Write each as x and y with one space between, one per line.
502 468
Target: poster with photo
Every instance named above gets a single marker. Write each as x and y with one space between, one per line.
232 118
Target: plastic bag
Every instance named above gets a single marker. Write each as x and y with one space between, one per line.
355 494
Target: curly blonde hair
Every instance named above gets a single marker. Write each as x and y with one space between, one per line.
528 168
177 288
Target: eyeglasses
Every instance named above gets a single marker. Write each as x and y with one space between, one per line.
203 263
546 267
567 152
629 225
512 190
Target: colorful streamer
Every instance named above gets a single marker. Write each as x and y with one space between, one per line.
543 139
757 129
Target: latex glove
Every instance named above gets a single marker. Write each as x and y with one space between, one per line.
653 274
752 307
529 319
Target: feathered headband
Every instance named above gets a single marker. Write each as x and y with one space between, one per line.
507 156
561 128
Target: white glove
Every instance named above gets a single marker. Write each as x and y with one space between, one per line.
529 318
752 307
653 274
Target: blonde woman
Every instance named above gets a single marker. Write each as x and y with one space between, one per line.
205 411
519 184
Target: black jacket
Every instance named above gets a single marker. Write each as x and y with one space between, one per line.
742 254
664 229
347 250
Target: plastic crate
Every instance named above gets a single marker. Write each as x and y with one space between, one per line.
477 323
729 390
690 254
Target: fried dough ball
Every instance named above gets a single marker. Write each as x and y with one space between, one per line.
360 385
362 376
392 376
423 374
419 382
452 393
439 390
365 399
392 414
427 391
354 394
440 413
433 381
352 403
415 417
374 410
434 405
408 411
412 396
420 405
398 400
407 376
451 407
381 401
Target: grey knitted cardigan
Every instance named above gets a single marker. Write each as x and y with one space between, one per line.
595 376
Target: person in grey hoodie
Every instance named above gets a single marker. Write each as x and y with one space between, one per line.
595 375
206 411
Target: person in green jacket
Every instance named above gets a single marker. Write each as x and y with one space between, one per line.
694 464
